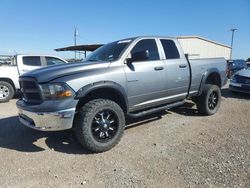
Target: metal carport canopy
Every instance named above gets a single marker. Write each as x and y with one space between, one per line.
86 47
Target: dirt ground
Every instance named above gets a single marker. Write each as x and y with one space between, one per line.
178 148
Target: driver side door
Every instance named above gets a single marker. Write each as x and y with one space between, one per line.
146 78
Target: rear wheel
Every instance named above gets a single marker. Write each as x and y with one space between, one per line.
209 101
99 125
6 91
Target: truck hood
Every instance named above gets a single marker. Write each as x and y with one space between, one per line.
244 72
49 73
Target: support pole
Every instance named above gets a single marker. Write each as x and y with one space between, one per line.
232 41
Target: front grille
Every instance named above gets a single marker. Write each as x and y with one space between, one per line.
30 90
242 79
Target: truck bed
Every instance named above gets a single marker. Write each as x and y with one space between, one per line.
10 72
200 66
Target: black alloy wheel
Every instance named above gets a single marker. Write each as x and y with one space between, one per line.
104 125
213 100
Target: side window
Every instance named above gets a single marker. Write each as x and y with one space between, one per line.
53 61
32 61
147 45
170 49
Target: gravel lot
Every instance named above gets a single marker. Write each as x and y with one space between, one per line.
177 148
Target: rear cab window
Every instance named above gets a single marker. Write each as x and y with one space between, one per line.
170 49
32 60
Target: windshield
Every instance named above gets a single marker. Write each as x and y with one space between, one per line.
109 52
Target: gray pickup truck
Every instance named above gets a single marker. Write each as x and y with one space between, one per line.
127 78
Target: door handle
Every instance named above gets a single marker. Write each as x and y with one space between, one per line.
183 66
158 68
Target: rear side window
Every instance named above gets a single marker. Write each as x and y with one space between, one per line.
147 44
53 61
170 49
32 61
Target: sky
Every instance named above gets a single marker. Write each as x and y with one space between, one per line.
40 26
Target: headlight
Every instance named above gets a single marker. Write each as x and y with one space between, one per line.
56 91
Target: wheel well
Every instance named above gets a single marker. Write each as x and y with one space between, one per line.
8 81
214 78
104 93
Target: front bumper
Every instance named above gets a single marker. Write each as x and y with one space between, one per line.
243 88
47 121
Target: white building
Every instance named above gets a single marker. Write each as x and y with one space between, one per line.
198 47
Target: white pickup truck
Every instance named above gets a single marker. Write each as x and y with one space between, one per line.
9 74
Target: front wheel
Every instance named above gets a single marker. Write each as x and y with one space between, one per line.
99 125
6 91
209 101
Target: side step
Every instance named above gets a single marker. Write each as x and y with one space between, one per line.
154 110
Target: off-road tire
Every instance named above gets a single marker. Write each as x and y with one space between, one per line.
83 125
10 89
203 100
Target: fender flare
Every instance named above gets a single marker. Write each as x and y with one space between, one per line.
84 91
205 77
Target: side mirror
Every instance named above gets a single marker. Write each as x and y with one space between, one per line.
138 56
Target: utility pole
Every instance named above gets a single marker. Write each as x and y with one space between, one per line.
75 35
232 41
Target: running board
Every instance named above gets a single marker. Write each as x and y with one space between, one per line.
154 110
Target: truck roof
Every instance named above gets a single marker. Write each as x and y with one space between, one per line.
150 36
36 55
